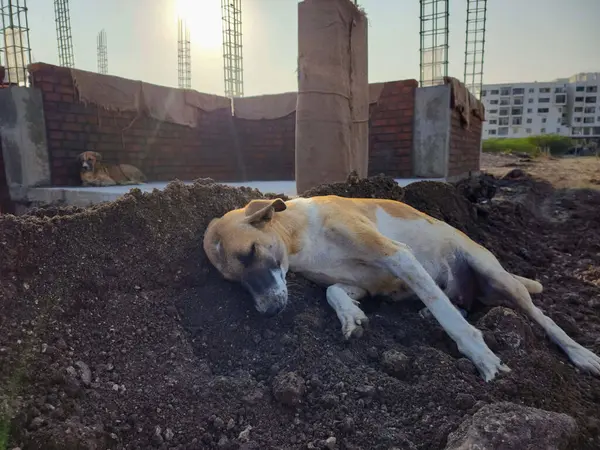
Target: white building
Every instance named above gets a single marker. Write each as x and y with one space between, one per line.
568 107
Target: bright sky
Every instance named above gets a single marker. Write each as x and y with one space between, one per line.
556 38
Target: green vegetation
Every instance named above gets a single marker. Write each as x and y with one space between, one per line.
533 145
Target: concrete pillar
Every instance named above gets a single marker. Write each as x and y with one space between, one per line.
432 121
23 134
333 93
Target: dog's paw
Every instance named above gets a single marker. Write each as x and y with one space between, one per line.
490 366
354 323
486 362
585 360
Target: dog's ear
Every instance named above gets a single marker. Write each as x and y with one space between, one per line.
261 211
97 155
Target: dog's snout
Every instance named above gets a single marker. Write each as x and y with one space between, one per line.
273 310
269 290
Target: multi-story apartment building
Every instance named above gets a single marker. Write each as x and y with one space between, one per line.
568 107
583 93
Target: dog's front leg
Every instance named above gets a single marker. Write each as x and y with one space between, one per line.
344 300
469 339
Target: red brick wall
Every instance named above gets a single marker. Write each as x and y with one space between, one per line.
391 130
268 147
221 147
465 146
163 151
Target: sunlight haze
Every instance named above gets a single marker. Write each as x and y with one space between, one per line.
525 41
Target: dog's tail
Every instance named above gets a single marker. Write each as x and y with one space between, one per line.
532 286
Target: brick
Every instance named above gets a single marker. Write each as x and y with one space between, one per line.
56 135
51 97
53 125
68 126
69 98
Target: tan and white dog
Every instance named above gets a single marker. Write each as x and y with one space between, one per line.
358 247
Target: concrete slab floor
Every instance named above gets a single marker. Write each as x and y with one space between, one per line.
84 196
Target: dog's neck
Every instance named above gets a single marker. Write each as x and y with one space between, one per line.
289 225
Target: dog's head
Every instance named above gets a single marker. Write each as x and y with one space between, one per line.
244 247
88 161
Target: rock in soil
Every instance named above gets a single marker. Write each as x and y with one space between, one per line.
507 426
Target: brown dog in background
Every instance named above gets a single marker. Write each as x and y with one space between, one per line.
95 173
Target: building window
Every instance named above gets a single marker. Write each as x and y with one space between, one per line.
505 91
544 100
529 120
493 121
545 90
529 110
494 92
578 99
562 98
591 89
492 132
542 110
575 130
493 111
528 130
588 120
530 100
577 119
590 99
503 121
579 89
516 111
558 130
559 90
493 102
531 90
517 100
578 109
558 120
543 120
483 93
517 120
504 111
543 130
589 109
505 101
503 131
515 130
518 91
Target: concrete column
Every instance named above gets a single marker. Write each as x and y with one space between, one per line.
23 134
431 142
333 93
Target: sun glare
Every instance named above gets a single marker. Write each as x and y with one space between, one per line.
203 19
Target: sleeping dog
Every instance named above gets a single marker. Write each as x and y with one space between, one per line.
360 247
94 173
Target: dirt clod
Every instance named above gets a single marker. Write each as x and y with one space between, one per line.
510 426
395 363
288 388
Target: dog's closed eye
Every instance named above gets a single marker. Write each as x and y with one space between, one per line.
248 257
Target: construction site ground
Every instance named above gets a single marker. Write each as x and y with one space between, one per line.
116 332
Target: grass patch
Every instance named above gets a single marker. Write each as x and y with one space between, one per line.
533 145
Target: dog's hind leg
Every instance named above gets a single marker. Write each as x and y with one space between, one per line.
344 300
403 264
517 289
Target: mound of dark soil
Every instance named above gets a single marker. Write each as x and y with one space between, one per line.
115 332
356 187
